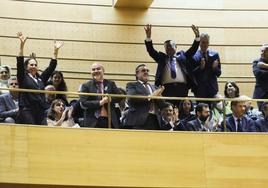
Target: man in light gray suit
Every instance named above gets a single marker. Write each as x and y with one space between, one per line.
9 103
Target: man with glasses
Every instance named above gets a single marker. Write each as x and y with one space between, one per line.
143 112
96 107
9 103
173 69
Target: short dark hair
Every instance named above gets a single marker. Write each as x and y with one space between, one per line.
166 105
200 107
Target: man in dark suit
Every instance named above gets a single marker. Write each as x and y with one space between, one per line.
169 119
260 71
202 121
9 103
143 113
238 122
207 68
96 107
173 69
262 123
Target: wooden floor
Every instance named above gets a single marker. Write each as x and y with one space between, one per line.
41 156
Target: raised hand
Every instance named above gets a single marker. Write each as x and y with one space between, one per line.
195 30
148 30
22 42
57 46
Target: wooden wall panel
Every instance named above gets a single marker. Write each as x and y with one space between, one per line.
129 34
117 52
210 4
128 16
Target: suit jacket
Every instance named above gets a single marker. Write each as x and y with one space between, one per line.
182 59
194 125
206 79
92 103
178 125
7 106
261 76
262 125
248 125
33 100
139 108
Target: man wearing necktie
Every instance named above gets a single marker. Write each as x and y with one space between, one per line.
96 107
238 122
206 70
173 69
143 113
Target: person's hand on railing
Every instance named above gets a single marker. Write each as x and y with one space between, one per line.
104 100
57 46
22 42
148 31
195 30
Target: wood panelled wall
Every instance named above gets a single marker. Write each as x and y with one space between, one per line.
121 158
94 31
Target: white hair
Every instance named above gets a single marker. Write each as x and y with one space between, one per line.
264 47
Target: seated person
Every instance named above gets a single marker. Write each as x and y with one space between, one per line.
202 121
4 76
60 116
217 111
262 123
9 103
169 119
186 111
250 112
238 122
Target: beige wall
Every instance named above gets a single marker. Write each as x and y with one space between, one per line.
94 31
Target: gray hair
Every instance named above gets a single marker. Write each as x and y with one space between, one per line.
12 78
204 35
264 47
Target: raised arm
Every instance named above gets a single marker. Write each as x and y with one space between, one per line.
57 46
193 49
53 63
22 42
149 43
20 59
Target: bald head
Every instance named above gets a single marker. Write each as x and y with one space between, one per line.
97 72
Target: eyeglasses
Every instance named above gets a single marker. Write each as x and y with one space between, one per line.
2 72
97 68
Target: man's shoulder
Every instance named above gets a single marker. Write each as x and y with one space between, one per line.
129 84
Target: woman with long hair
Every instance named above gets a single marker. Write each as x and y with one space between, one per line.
32 106
57 80
59 115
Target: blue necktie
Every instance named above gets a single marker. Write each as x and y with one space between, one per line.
239 125
172 68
